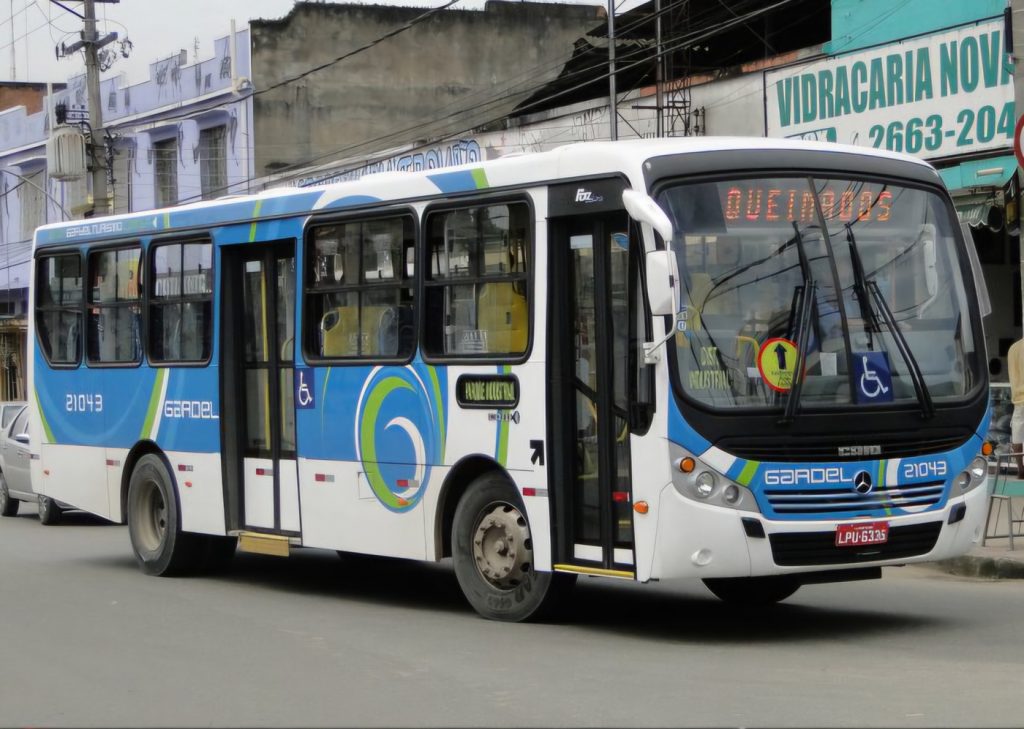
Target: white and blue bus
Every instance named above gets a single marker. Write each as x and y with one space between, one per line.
755 362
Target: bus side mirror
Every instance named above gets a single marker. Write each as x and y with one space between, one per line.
643 209
662 283
662 297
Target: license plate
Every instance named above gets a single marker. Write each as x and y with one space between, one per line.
857 535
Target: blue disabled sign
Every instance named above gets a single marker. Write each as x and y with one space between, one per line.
305 388
872 377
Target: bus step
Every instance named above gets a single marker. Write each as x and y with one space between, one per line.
275 545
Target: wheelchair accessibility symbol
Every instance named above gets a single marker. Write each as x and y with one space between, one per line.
305 389
873 377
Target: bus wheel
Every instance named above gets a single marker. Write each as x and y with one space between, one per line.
753 591
154 525
492 552
49 512
8 506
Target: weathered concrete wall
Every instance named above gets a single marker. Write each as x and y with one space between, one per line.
454 70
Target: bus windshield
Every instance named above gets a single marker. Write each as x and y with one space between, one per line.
856 283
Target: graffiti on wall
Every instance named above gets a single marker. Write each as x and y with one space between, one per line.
462 151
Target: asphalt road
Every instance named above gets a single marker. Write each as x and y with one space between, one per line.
88 640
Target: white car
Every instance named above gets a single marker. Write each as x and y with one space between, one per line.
15 472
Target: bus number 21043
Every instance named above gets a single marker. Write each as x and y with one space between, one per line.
924 469
83 402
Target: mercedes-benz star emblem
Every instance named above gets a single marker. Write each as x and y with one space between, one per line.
862 483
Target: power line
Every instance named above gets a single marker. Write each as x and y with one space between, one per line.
13 15
437 124
681 42
500 98
350 150
24 35
353 149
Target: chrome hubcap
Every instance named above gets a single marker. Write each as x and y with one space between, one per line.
502 548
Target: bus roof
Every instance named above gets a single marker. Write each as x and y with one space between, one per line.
582 159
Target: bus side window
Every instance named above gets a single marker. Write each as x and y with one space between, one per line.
181 303
358 297
478 286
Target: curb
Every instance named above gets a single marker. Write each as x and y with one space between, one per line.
991 568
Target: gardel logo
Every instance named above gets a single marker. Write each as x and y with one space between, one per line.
586 196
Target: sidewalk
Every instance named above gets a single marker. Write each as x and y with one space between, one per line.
995 560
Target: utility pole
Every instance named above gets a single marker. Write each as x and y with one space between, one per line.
91 43
613 112
659 74
1016 33
92 81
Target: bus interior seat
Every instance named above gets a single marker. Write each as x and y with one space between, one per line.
337 327
341 335
503 315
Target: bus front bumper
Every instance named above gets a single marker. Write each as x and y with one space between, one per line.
701 540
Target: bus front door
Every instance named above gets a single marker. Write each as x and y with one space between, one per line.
590 328
259 394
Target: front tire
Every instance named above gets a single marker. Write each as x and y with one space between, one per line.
154 523
492 552
8 506
49 512
753 591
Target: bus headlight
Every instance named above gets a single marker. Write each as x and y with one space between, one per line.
978 470
974 476
701 482
704 486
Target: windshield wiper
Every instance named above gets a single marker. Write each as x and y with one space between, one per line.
803 323
861 283
860 288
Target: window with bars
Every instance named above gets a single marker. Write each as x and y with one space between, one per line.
181 303
165 172
213 168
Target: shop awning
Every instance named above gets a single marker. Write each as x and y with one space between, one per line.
977 212
978 174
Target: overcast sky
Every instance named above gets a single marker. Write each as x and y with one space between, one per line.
32 29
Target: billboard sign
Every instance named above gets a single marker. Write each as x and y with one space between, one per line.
940 95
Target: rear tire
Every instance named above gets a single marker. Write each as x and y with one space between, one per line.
49 512
492 552
753 591
154 523
8 506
